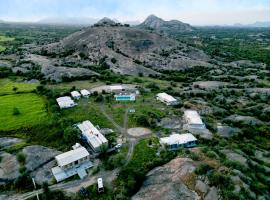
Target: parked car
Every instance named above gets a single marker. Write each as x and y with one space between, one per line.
118 146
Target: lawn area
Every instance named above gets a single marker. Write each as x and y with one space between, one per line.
117 111
6 39
2 48
6 87
143 153
87 109
31 109
144 104
60 87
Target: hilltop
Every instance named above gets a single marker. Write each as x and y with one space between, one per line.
126 50
158 24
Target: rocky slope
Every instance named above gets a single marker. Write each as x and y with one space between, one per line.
158 24
173 181
127 50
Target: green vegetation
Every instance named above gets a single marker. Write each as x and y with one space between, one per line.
143 160
6 39
3 41
2 48
231 43
11 87
21 110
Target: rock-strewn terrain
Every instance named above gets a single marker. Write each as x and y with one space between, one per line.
127 50
168 182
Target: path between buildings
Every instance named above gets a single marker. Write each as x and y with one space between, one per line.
71 186
108 176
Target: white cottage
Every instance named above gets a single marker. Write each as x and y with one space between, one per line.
85 93
176 141
71 163
193 119
93 136
167 99
75 95
65 102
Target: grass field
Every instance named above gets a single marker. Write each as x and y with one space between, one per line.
147 104
2 48
6 87
31 108
79 85
6 39
87 109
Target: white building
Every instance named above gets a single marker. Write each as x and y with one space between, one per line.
75 94
176 141
116 88
167 99
85 93
193 119
71 163
93 136
65 102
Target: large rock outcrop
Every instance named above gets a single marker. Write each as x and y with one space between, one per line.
168 182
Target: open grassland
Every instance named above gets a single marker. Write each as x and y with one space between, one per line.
147 105
31 110
87 109
79 85
2 48
9 87
6 39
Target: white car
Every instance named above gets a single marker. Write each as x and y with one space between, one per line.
118 146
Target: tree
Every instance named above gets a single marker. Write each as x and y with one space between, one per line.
14 88
99 98
20 157
71 135
16 111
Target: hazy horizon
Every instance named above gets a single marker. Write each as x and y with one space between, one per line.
195 12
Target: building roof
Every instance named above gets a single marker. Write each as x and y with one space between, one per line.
85 92
178 139
92 134
65 102
166 97
192 117
75 94
71 156
116 87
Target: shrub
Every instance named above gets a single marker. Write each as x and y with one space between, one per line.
99 98
16 111
21 157
220 180
211 154
203 169
71 135
113 60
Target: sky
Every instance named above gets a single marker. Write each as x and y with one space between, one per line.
195 12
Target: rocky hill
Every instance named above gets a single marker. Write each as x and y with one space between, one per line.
172 26
175 180
126 50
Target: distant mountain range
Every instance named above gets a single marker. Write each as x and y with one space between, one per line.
156 23
69 21
255 25
151 22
